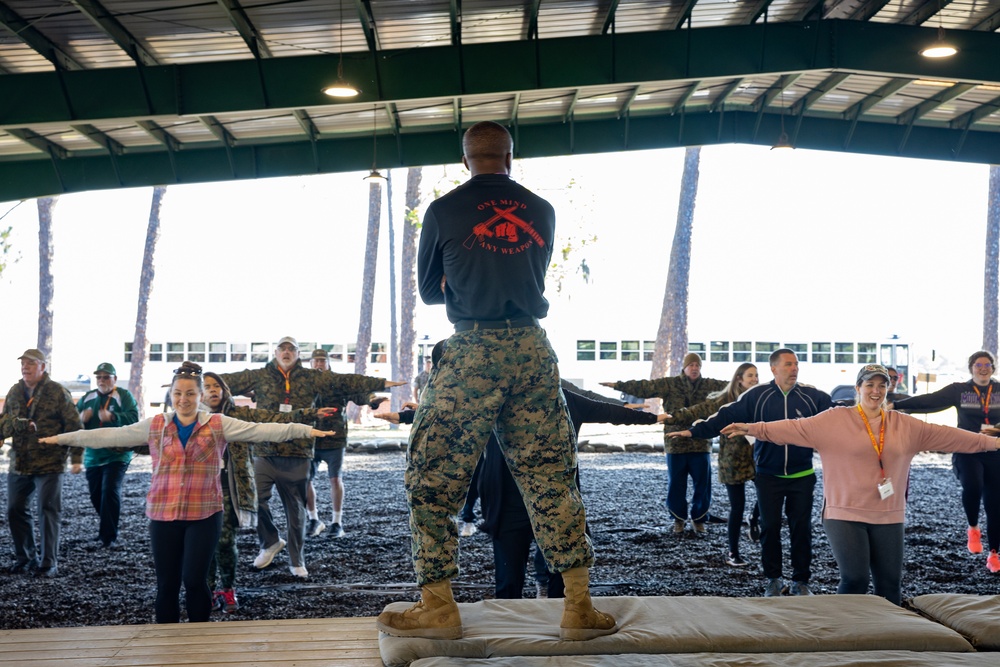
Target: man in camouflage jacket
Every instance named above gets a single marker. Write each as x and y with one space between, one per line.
284 385
49 410
330 450
685 456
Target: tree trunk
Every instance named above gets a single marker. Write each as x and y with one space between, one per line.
672 336
368 286
146 275
396 401
46 285
408 281
991 291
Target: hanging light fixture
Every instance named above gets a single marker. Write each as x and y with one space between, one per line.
341 88
374 176
783 140
940 48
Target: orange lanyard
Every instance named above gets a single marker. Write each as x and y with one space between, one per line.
985 404
107 402
879 445
288 384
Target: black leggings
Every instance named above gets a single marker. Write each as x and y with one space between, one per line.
979 475
737 507
182 551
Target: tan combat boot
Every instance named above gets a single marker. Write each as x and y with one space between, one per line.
434 617
580 620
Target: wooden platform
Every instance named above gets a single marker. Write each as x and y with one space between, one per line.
352 642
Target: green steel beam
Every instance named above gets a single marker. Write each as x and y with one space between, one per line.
100 138
515 105
609 20
720 100
306 123
118 33
248 31
685 96
817 93
160 134
991 22
928 105
924 12
36 177
568 116
624 59
629 99
32 138
532 30
455 14
972 117
367 19
808 10
758 10
886 90
683 15
28 34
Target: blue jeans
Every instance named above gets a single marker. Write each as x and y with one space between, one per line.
863 548
105 484
795 497
679 466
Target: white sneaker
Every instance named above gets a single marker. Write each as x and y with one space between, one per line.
265 556
467 529
298 571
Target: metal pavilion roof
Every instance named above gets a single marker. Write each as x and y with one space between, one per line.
118 93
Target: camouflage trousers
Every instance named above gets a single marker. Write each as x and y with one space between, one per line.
507 378
222 569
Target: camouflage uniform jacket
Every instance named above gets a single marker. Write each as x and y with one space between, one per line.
676 392
338 397
239 455
305 386
735 454
52 409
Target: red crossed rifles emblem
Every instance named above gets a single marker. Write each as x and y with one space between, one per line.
484 229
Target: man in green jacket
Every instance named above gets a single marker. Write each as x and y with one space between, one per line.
107 406
283 385
34 467
685 456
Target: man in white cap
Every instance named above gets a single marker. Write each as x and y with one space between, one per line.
42 408
284 385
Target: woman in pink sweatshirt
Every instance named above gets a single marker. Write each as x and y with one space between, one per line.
866 453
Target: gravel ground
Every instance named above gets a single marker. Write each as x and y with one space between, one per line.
357 575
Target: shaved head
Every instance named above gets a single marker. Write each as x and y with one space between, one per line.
487 143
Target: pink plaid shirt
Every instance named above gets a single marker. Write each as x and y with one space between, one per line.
186 484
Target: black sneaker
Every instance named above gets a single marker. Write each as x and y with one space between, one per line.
22 567
336 531
735 560
50 572
314 527
713 518
755 530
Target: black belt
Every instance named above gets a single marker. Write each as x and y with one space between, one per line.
514 323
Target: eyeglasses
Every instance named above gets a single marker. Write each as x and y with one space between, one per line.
103 377
286 347
980 365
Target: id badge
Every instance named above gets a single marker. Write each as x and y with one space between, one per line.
885 488
285 407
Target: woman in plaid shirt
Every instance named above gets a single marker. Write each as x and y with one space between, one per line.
184 503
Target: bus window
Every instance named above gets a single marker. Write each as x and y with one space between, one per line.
378 353
260 353
238 352
217 352
843 353
801 351
866 353
697 348
196 352
719 350
609 351
764 351
886 356
741 351
648 348
156 351
821 353
128 353
336 352
630 350
586 350
902 355
175 352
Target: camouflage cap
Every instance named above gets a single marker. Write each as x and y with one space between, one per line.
33 354
320 353
106 368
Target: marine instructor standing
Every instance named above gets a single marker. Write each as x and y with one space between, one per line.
484 250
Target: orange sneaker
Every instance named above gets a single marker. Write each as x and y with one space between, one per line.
975 541
993 562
